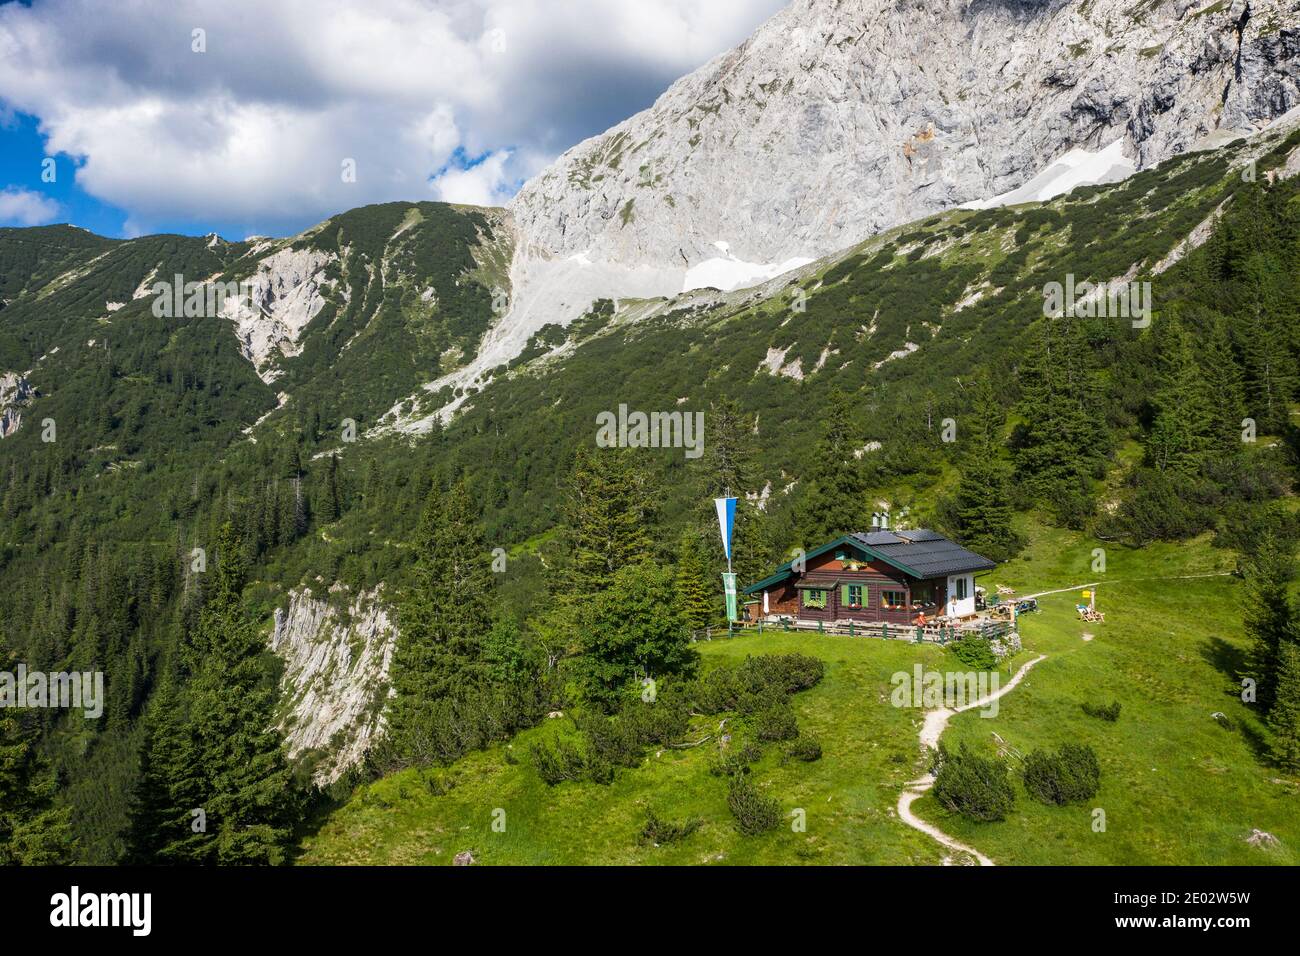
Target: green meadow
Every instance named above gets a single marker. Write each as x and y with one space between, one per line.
1179 785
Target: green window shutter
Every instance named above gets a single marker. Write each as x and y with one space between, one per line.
844 594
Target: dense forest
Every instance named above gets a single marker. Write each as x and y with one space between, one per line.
152 539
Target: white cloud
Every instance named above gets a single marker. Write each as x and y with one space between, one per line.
484 184
26 208
256 128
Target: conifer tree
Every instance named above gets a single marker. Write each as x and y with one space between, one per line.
981 509
1182 433
1270 618
330 505
1284 718
235 764
170 784
695 599
1222 377
609 512
1059 442
444 618
833 501
728 451
33 832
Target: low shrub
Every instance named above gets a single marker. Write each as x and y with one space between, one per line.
753 812
1103 711
731 763
805 749
756 684
976 787
1070 775
777 723
975 652
657 831
563 762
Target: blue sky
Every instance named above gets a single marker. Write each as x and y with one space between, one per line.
176 116
22 154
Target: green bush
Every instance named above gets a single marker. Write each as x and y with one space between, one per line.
730 763
805 749
1103 711
777 723
1070 775
976 787
975 652
564 762
753 812
657 832
757 684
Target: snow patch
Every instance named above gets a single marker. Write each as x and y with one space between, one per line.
1077 167
727 273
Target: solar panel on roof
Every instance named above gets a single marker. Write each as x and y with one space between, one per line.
874 538
921 534
927 552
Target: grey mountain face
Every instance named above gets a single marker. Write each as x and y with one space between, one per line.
840 118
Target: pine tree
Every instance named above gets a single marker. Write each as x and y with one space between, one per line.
235 766
1284 718
1270 617
33 832
694 597
170 785
609 513
444 619
1181 435
728 451
833 501
752 551
1228 407
331 507
981 509
1060 441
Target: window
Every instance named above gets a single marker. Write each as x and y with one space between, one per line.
851 595
813 597
893 599
961 589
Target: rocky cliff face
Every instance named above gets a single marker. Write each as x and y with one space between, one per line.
336 676
285 293
840 118
15 393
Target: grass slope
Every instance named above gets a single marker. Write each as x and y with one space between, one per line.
1177 787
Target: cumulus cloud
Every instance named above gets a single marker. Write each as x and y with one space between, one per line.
22 207
485 183
255 111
